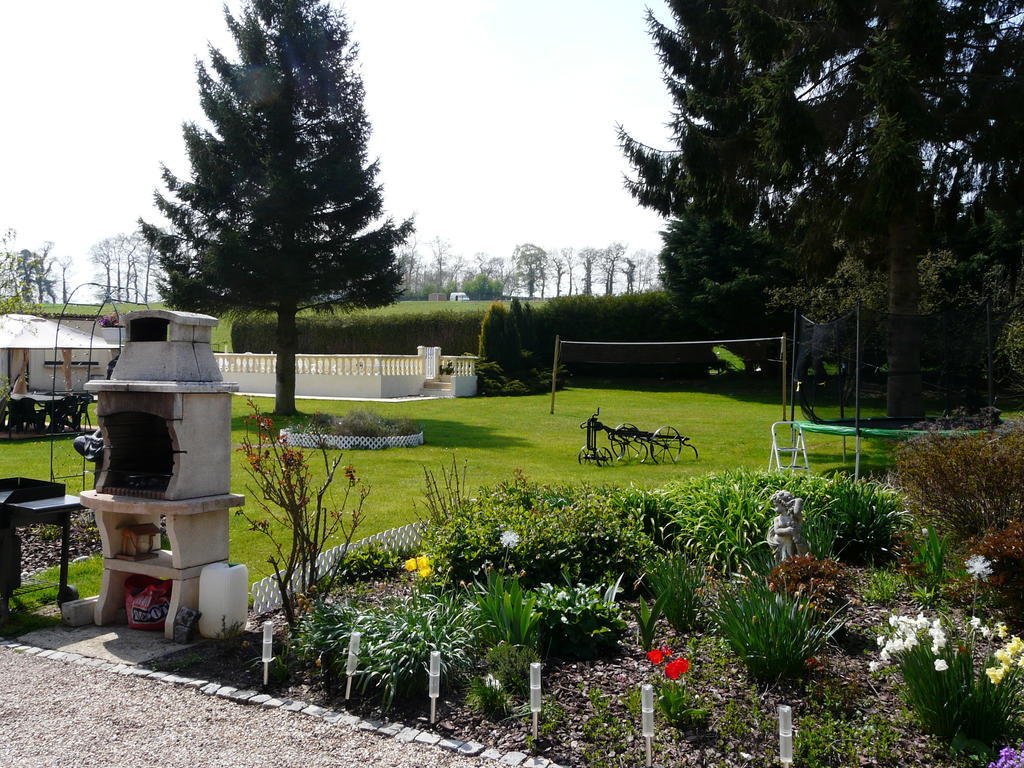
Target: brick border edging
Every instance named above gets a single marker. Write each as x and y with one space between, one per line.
383 728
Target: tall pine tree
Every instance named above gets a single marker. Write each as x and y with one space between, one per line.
864 124
282 212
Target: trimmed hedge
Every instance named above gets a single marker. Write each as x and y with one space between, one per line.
454 332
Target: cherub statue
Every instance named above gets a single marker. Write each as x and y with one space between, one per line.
786 537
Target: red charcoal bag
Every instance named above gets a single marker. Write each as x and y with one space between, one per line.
146 601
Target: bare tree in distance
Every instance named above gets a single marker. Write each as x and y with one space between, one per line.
608 262
588 260
64 264
127 266
558 268
440 251
629 269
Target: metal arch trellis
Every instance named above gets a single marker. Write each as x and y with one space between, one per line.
116 304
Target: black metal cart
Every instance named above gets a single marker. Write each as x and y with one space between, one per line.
25 502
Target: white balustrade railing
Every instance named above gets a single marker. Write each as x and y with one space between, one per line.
461 366
324 365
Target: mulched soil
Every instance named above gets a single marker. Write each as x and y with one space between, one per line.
594 715
40 544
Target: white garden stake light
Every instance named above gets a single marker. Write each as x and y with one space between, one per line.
647 719
353 661
268 650
785 735
435 683
535 694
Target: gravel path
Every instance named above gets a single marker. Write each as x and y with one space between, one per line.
59 714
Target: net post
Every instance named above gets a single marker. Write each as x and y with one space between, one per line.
856 401
554 370
988 349
792 376
784 362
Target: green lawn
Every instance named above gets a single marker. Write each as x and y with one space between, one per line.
727 418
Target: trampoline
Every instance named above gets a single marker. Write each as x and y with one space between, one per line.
842 376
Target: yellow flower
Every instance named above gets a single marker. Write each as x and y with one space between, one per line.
995 674
425 571
1015 646
410 564
422 562
1004 657
1001 630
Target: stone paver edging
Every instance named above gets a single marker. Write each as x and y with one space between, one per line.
384 729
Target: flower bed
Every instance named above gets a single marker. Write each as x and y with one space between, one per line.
720 652
358 429
346 442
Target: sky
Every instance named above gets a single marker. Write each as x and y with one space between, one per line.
494 120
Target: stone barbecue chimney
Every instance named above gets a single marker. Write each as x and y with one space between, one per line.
165 414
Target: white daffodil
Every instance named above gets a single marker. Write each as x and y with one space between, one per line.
941 665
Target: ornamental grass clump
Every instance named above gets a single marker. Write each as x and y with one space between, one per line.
678 585
397 638
952 698
721 518
773 633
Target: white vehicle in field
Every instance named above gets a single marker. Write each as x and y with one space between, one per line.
458 296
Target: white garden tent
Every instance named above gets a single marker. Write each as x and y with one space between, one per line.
21 334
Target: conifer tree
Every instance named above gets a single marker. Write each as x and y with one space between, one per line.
864 125
282 212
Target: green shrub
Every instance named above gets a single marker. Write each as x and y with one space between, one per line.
510 665
507 613
579 621
365 334
492 381
488 696
965 484
722 518
500 339
397 638
370 562
573 528
678 585
773 633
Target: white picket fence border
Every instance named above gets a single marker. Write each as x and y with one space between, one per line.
266 596
346 442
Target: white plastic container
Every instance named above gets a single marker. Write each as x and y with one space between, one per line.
223 599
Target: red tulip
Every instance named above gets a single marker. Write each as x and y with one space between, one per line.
655 656
676 668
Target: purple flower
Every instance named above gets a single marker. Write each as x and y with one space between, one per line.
1009 758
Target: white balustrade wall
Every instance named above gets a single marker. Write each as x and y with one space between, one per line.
370 376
